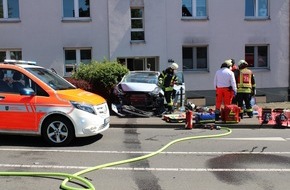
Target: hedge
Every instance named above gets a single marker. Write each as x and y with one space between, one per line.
101 77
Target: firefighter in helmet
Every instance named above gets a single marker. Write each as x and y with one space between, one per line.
166 81
246 88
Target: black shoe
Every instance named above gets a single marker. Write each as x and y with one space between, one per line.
241 116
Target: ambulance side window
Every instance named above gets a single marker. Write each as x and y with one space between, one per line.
20 81
37 89
11 81
5 81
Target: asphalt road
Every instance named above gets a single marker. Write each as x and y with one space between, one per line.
246 159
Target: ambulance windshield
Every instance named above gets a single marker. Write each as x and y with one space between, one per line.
51 79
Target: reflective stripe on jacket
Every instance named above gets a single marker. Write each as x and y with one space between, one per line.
167 81
245 81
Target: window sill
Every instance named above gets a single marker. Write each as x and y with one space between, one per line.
10 20
257 18
259 69
76 19
205 18
137 42
196 71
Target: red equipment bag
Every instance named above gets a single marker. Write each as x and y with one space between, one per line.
231 114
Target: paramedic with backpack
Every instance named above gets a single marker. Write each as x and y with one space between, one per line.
225 85
166 81
246 88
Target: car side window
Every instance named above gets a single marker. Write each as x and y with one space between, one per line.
4 85
37 89
5 81
12 81
18 81
28 83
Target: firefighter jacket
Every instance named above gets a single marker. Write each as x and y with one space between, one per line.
167 79
245 81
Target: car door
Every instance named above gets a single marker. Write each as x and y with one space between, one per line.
17 111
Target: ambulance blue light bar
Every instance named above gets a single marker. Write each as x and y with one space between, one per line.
13 61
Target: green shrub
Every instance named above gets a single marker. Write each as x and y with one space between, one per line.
103 76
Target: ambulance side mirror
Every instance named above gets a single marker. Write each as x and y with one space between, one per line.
27 92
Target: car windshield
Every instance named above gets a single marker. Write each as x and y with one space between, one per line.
179 74
141 77
51 79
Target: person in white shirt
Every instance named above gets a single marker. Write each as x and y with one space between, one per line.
225 85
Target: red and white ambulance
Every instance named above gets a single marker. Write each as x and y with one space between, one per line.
36 101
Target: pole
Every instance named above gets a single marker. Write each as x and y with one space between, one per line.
181 100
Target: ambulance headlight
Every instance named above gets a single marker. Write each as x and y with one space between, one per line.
84 107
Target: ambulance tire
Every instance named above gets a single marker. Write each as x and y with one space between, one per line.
57 131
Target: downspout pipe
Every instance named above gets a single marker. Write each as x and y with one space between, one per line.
289 51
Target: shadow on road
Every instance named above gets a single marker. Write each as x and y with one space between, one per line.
35 141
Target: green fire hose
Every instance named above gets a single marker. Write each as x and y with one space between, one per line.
89 186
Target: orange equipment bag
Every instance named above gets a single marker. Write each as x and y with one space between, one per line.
231 114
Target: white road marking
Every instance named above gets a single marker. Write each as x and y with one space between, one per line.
38 166
134 152
150 169
256 139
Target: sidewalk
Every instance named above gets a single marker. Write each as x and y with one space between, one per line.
157 122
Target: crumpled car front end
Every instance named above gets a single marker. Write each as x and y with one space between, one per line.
138 90
143 96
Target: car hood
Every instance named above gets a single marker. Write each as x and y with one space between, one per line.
138 87
80 95
178 87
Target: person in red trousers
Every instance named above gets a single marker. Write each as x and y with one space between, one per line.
225 85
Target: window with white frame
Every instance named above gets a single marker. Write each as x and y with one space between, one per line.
194 8
257 56
140 63
257 8
10 54
137 24
195 58
9 9
74 57
76 8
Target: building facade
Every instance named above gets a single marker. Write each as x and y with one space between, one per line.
197 34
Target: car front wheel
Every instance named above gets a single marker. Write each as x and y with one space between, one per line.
57 131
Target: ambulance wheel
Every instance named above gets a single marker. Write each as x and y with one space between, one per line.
57 131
